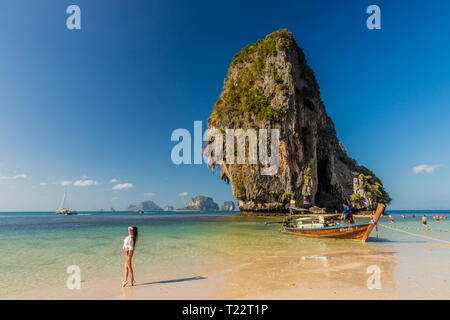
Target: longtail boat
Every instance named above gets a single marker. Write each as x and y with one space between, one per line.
321 229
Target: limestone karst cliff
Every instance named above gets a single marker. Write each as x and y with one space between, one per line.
270 86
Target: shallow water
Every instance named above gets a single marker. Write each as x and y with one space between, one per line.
37 248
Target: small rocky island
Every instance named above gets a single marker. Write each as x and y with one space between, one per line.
200 203
145 206
227 206
271 86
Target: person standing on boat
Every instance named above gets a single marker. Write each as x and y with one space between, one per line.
129 245
350 217
346 212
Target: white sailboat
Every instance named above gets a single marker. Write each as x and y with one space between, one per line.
62 209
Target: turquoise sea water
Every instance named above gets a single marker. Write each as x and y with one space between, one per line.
36 248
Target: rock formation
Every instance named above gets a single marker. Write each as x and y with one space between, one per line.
201 203
145 206
227 206
270 86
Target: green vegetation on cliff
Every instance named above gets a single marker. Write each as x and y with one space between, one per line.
260 50
355 198
372 183
243 97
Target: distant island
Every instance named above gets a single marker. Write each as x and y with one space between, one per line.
227 206
200 203
145 206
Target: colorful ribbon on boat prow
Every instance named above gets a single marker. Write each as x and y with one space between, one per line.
376 225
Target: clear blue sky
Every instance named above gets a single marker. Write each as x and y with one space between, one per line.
102 102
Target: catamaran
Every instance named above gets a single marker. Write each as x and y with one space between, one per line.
62 209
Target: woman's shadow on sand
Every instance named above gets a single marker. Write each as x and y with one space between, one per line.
171 281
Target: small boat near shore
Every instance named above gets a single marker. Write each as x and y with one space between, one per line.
318 227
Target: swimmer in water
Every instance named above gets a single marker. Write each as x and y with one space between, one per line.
424 221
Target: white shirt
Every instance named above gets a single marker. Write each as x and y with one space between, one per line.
128 243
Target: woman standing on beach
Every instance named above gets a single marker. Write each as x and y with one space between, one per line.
129 244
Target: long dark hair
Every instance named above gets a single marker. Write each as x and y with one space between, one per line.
135 236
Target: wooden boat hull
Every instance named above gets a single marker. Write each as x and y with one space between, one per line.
352 231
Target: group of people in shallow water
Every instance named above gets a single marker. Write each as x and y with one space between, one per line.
424 218
437 218
347 216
